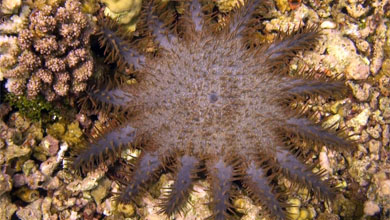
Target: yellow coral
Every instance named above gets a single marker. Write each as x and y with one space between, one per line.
9 50
90 6
126 209
228 5
16 22
57 129
10 6
73 134
283 5
120 6
124 11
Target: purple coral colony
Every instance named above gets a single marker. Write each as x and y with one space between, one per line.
209 103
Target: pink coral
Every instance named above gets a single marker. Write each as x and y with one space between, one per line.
61 87
16 86
33 86
55 64
45 75
83 72
25 39
28 61
42 22
74 57
55 57
46 45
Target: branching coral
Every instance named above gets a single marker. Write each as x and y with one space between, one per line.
16 22
55 59
9 53
209 105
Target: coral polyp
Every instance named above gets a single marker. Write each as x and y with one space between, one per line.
209 103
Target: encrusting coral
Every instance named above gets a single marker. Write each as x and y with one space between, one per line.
55 59
211 104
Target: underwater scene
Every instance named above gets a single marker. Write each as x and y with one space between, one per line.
195 109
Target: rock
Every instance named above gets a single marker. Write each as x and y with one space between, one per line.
27 195
124 11
364 137
357 70
375 131
332 122
49 145
328 216
127 209
363 46
47 167
374 146
371 208
282 5
384 187
386 67
84 121
108 206
62 200
35 180
31 212
19 180
378 52
74 215
328 25
28 167
362 93
228 5
359 120
355 9
304 214
2 143
384 106
5 183
242 204
61 153
88 183
89 210
342 56
294 208
7 207
324 161
52 184
46 204
385 135
14 151
374 99
101 190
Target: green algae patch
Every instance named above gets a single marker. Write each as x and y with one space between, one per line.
37 109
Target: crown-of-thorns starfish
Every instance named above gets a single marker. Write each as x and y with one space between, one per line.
210 103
